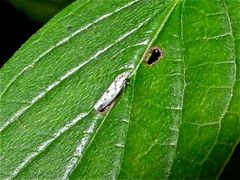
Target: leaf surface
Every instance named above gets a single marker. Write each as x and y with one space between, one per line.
178 118
189 124
50 85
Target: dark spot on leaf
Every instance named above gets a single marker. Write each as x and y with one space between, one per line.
69 27
153 55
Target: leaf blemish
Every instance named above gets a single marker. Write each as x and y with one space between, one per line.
153 55
69 27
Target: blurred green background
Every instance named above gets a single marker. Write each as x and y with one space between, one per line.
40 10
22 18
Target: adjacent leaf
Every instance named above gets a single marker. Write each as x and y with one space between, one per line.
176 119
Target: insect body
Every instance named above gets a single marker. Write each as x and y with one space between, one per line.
111 92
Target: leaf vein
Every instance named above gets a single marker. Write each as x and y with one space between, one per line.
63 41
183 90
41 148
68 74
228 103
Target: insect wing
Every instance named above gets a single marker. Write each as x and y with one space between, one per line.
113 90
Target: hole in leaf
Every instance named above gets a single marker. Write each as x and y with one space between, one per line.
153 55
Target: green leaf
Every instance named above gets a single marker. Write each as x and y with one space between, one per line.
176 119
190 122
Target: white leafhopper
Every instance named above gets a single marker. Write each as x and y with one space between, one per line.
112 91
